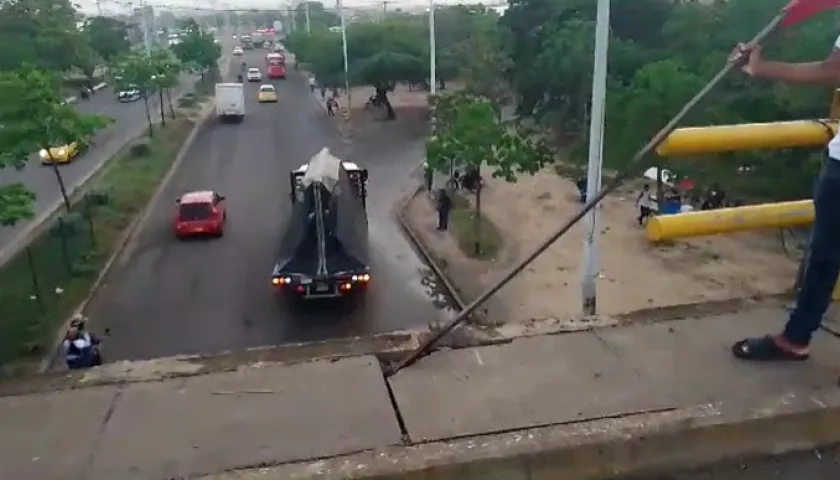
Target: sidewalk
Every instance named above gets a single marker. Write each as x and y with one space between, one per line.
272 414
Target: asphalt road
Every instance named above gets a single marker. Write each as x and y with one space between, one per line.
166 297
129 122
822 464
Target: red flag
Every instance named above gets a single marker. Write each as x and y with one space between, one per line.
801 10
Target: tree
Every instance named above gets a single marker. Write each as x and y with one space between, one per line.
197 49
661 52
33 117
137 71
379 54
470 136
42 33
168 70
107 36
319 18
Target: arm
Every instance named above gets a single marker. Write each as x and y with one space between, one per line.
826 72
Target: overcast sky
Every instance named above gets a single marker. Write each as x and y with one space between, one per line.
89 6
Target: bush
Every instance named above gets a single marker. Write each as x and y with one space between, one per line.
139 150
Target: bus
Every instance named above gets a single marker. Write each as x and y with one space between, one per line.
275 65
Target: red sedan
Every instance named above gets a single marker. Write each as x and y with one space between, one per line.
200 213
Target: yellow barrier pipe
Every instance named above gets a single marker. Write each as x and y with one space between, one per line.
731 220
751 136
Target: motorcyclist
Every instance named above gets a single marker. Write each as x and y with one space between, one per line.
80 347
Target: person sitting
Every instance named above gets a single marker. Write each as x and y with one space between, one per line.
79 346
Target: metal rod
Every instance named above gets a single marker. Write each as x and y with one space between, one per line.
626 172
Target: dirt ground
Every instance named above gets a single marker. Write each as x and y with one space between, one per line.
634 274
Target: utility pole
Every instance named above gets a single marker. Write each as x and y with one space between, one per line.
147 38
344 48
385 9
432 50
99 7
596 153
308 24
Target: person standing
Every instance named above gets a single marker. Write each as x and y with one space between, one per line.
332 104
644 204
444 207
428 176
822 264
312 84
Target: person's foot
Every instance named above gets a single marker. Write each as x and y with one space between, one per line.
769 348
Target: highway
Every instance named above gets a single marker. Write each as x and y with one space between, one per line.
129 122
166 297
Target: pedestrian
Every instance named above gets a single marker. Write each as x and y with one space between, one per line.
323 92
644 204
332 105
444 206
428 176
822 263
312 84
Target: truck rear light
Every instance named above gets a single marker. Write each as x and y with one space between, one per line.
280 281
346 286
300 289
363 278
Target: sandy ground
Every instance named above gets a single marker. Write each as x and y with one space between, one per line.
634 275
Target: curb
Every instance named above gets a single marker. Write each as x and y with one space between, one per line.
128 234
24 237
430 260
642 445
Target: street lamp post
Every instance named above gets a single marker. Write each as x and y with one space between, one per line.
432 49
596 153
344 49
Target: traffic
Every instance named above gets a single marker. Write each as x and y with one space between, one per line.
272 230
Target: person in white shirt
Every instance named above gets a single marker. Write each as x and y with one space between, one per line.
823 259
644 204
312 83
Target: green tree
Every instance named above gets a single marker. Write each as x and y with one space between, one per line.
319 17
168 71
198 49
470 136
39 32
137 71
379 54
34 118
107 36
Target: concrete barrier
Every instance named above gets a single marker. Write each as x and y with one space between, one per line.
644 445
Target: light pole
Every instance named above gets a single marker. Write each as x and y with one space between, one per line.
308 24
596 153
344 49
432 48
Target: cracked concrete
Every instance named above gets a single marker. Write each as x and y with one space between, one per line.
605 401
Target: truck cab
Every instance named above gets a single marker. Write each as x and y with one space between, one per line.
358 177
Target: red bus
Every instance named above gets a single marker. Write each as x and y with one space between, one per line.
275 65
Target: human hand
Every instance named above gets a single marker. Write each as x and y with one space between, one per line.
748 57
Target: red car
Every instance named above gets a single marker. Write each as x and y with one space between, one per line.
200 213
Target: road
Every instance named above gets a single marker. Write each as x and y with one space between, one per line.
823 464
166 297
129 122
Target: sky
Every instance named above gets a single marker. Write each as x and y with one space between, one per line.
110 6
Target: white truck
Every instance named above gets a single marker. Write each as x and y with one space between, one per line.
230 101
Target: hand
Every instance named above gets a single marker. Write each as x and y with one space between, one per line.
748 57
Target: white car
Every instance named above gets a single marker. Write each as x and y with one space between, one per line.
238 51
129 94
254 75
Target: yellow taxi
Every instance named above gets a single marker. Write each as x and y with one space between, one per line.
267 94
60 155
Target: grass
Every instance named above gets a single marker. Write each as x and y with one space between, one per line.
66 269
462 227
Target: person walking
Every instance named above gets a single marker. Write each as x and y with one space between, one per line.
332 105
444 207
312 84
822 264
644 205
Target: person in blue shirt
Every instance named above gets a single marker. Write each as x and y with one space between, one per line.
80 347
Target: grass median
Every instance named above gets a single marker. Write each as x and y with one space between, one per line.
42 285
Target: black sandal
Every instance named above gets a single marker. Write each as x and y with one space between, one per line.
765 349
